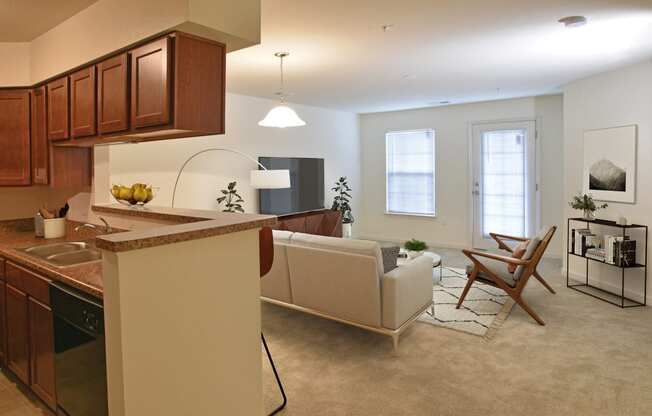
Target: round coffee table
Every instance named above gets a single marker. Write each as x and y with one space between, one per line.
436 260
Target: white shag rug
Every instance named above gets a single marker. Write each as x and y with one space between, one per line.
482 313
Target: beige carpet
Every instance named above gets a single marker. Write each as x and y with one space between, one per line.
483 312
591 359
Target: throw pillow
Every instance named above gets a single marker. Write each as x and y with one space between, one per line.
517 253
390 255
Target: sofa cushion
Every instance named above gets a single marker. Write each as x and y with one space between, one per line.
340 284
390 256
344 245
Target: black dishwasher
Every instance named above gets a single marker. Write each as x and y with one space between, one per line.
80 354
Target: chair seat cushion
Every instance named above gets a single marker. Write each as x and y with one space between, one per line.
497 267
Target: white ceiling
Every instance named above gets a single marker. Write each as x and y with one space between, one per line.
457 50
24 20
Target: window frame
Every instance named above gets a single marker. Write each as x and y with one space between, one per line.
434 173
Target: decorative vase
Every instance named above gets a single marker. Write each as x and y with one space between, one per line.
347 230
588 214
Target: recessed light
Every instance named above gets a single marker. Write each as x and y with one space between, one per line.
573 21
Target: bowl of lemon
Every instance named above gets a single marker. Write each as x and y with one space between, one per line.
136 195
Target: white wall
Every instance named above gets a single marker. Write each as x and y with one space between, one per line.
452 226
329 134
617 98
14 64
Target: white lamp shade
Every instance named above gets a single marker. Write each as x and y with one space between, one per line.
281 116
270 179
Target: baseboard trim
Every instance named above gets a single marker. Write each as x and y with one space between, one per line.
608 286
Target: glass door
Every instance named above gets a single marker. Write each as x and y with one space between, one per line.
504 181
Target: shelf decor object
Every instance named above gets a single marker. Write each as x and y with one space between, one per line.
610 164
618 299
282 116
259 179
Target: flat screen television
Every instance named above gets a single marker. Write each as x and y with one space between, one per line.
306 192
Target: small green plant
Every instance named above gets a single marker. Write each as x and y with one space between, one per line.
342 199
231 199
415 245
586 203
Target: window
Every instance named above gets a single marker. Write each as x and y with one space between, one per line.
410 170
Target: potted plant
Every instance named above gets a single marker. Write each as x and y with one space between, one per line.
231 199
586 203
342 203
415 248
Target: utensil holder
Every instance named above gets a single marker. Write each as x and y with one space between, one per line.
54 228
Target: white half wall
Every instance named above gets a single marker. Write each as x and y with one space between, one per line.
453 224
616 98
331 135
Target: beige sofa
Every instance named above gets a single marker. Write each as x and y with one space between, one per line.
343 280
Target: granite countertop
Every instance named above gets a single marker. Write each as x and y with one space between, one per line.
19 234
187 224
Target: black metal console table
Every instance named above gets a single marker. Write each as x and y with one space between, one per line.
589 289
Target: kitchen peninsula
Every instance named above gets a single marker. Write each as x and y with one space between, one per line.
181 307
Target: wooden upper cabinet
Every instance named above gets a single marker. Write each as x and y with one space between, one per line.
40 142
15 155
150 84
199 84
113 94
82 103
57 105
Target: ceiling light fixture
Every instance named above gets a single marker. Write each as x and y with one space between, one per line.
281 116
573 21
387 28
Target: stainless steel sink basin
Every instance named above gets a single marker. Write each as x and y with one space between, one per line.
66 254
75 258
47 250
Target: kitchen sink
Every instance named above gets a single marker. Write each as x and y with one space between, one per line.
44 251
66 254
74 258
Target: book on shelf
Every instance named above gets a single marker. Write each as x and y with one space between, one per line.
625 252
596 254
583 239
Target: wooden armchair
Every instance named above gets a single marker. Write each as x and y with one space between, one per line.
492 268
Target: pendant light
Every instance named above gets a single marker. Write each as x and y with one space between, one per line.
282 115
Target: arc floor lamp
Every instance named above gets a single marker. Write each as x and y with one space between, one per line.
260 179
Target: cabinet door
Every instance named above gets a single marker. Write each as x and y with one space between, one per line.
82 103
71 167
58 109
14 138
39 138
17 333
3 322
41 327
112 95
150 84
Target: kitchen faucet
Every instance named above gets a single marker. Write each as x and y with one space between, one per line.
107 227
